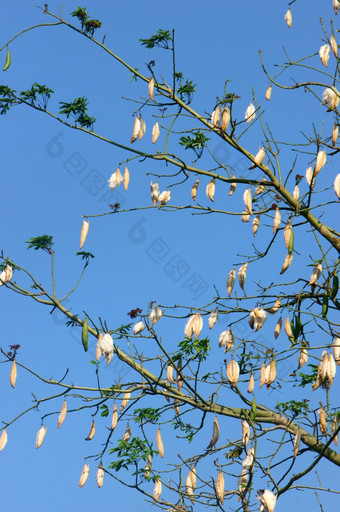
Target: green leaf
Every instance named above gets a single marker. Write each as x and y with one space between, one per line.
43 242
105 411
160 39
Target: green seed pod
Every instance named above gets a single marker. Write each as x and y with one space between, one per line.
335 286
325 305
291 242
253 410
8 60
85 335
297 326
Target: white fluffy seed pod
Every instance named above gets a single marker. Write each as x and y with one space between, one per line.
268 499
159 442
83 233
232 186
242 274
138 328
215 435
126 178
289 18
330 97
40 436
155 314
321 158
269 93
225 118
210 189
213 318
155 132
106 347
335 134
164 197
135 130
259 157
226 340
334 46
154 193
219 486
278 328
337 185
233 372
230 281
194 189
84 475
287 262
324 54
250 113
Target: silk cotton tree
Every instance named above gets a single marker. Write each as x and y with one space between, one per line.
207 420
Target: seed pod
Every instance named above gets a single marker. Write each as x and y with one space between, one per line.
321 159
62 414
8 60
232 186
155 315
336 5
176 407
193 477
194 189
274 309
219 487
269 93
260 316
84 475
233 372
13 374
148 467
3 439
271 375
334 426
315 275
155 132
322 421
330 97
334 47
159 442
125 401
126 178
85 335
336 350
154 193
318 380
142 128
114 420
245 432
259 157
287 261
179 373
100 475
249 460
245 216
262 375
189 487
277 219
324 54
170 374
260 188
287 232
296 192
138 328
250 113
230 281
243 480
118 177
248 201
194 325
251 319
127 434
337 185
242 274
256 223
303 357
157 491
288 328
40 436
278 328
226 340
309 177
332 369
215 117
164 197
213 318
216 434
92 432
151 87
83 233
98 350
297 440
135 130
210 189
251 384
225 118
335 134
289 18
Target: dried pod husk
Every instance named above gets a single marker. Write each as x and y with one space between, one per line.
251 319
155 315
336 350
277 219
125 400
148 467
245 432
249 460
322 421
170 374
297 440
40 436
321 159
194 326
135 130
330 97
268 93
245 217
289 18
337 185
138 328
194 189
303 357
225 118
100 475
193 477
98 350
62 414
3 439
155 132
315 275
334 46
335 134
126 178
248 201
262 375
210 189
278 328
331 370
242 274
310 177
84 475
189 487
275 308
232 186
219 487
215 117
296 192
215 435
318 380
324 366
157 490
230 281
259 157
142 128
226 340
251 384
324 54
233 372
287 262
256 223
258 319
13 374
176 407
83 232
164 197
151 87
127 434
114 420
159 442
267 499
92 431
213 318
154 193
118 177
260 188
270 373
250 113
288 328
334 426
179 375
106 347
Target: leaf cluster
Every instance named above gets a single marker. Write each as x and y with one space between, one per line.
88 26
160 39
196 143
77 109
130 453
43 242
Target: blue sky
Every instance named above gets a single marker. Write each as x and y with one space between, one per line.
46 183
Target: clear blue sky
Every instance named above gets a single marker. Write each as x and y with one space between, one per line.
46 188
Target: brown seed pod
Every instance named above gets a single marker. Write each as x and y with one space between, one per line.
176 407
245 432
148 467
189 487
210 189
83 232
213 317
170 374
125 401
263 375
242 274
278 328
297 440
151 87
157 491
303 357
274 309
334 426
114 420
179 372
219 487
287 262
100 475
251 384
135 130
126 178
127 434
216 434
335 134
13 374
3 439
322 421
40 436
92 432
159 442
155 132
225 118
269 93
62 414
230 281
232 186
194 189
98 349
233 372
84 475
